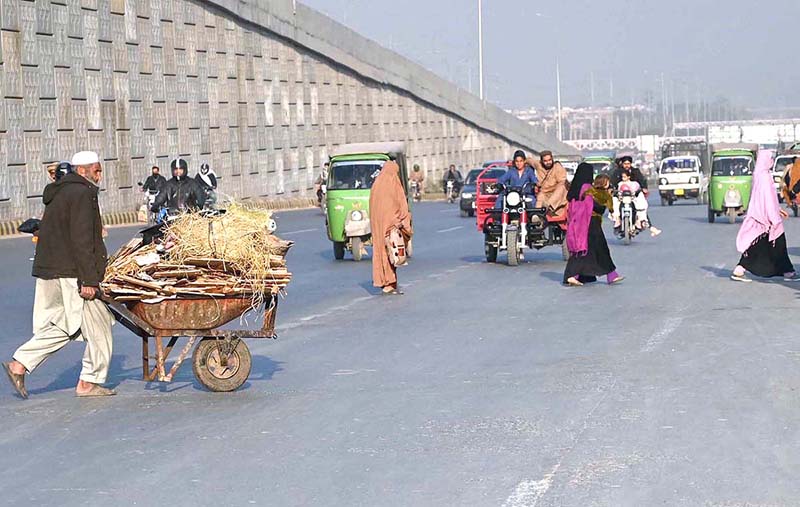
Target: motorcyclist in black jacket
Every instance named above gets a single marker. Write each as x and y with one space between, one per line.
155 181
181 193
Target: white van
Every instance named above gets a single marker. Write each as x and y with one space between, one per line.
682 177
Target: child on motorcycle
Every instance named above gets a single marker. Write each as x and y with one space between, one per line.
626 183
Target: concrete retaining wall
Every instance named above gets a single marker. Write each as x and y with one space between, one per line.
258 90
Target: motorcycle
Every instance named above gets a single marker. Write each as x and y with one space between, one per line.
451 191
149 198
415 192
627 216
322 198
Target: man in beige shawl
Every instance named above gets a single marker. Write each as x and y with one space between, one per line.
388 208
552 186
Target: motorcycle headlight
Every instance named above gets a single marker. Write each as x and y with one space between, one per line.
627 199
466 195
663 181
777 179
513 199
693 180
356 215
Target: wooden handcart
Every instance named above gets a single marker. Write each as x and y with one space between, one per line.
221 360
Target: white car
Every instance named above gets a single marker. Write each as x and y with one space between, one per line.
682 177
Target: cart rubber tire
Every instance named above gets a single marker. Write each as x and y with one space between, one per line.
711 216
795 209
731 215
355 245
338 250
512 238
205 364
565 250
491 252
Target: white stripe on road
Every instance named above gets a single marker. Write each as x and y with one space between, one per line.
657 338
451 229
301 231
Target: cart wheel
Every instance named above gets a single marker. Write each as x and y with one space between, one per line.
207 365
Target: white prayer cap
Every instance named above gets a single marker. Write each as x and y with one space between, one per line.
85 158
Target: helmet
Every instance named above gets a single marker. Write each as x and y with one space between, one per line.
63 169
179 163
204 168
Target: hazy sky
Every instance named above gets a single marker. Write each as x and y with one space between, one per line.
747 51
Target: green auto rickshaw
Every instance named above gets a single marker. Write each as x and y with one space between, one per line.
731 179
601 164
353 168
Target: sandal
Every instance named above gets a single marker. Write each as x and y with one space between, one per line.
17 380
740 278
96 390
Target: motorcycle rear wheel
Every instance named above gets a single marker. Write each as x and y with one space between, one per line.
491 253
626 231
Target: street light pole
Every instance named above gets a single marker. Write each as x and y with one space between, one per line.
558 91
480 48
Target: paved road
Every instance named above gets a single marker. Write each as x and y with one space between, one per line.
483 385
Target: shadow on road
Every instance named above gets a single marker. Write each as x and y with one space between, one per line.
718 272
552 276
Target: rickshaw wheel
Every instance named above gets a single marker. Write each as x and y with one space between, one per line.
491 253
732 215
215 371
338 250
356 247
711 215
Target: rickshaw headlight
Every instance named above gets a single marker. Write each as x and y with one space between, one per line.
356 216
693 180
466 195
663 181
513 199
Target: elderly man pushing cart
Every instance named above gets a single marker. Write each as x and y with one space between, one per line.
69 265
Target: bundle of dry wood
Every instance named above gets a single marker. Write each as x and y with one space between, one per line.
231 255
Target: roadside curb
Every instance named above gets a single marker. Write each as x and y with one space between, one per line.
9 228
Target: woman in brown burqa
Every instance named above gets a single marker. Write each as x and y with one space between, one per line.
388 207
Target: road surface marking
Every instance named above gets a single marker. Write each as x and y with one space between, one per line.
657 338
529 492
451 229
331 311
301 231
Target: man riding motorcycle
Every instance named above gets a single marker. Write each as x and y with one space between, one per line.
321 180
155 181
552 186
520 176
207 181
640 205
626 164
181 193
453 175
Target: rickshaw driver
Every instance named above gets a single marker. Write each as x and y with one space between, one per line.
521 175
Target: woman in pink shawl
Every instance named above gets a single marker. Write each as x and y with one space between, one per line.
761 239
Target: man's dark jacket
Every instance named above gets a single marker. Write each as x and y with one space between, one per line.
154 182
71 233
180 195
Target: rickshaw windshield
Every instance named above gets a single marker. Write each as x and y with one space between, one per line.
733 166
678 166
601 167
354 174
